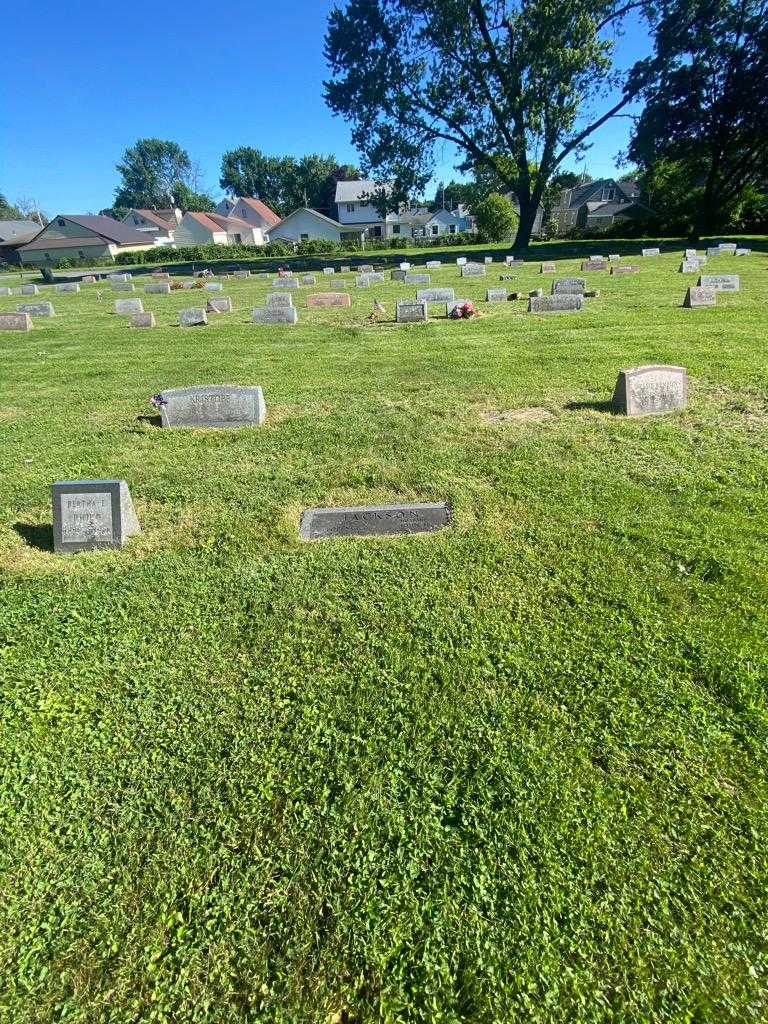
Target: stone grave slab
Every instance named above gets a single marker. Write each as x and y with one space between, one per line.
594 265
127 307
329 299
6 291
212 405
650 390
405 266
697 296
92 514
743 252
690 267
158 288
329 270
123 286
417 279
435 295
625 268
365 268
569 286
143 320
410 311
275 315
433 264
548 268
285 282
36 308
613 257
374 520
65 286
279 299
29 289
651 252
213 286
88 279
219 304
15 322
473 270
160 275
308 279
714 250
487 260
720 282
398 275
561 303
195 316
241 273
512 261
461 261
346 270
496 295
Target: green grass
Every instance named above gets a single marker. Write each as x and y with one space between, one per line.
511 772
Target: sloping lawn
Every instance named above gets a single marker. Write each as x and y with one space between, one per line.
514 771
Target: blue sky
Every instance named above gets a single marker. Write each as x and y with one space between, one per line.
83 81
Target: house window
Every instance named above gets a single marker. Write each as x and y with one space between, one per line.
61 223
395 229
305 237
350 207
376 232
238 239
451 229
81 254
435 229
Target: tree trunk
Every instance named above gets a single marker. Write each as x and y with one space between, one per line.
528 211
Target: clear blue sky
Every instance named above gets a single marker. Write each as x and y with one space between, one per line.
81 81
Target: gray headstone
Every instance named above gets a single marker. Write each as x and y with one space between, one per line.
713 250
569 286
512 261
160 275
36 308
279 299
193 284
309 279
435 295
690 267
382 520
625 268
405 266
142 320
88 279
29 289
196 316
548 268
15 322
213 286
417 279
650 390
720 282
346 270
6 291
127 307
409 311
594 265
556 303
365 268
89 514
158 288
651 252
216 405
743 252
473 270
695 297
496 295
398 275
219 304
461 261
66 286
727 247
263 274
241 273
123 286
450 306
433 264
363 281
119 277
690 254
285 282
329 299
329 270
598 257
274 315
614 257
487 259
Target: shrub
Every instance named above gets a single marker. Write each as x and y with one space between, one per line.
496 218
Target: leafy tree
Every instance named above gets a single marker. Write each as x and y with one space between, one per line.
198 202
502 80
496 218
705 123
283 182
151 172
8 211
116 212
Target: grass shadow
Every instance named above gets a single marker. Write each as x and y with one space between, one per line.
151 421
36 535
596 405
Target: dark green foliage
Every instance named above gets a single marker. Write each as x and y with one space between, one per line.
496 219
151 171
284 183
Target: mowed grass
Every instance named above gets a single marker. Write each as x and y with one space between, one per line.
513 771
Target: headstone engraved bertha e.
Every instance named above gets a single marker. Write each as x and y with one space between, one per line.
650 390
720 282
89 514
376 520
217 405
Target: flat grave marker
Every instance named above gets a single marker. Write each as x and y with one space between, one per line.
417 279
212 405
36 308
496 295
308 279
285 282
625 268
560 303
374 520
473 270
329 299
435 295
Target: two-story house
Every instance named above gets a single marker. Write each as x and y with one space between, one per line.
158 225
356 210
599 204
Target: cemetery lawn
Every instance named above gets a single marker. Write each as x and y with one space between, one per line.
512 771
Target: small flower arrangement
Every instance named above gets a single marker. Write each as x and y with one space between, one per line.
158 401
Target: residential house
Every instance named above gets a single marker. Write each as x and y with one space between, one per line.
226 206
423 223
356 211
213 229
599 204
82 237
160 225
305 224
254 212
14 234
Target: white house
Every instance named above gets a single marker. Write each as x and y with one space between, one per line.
158 225
226 206
305 224
357 211
213 229
254 212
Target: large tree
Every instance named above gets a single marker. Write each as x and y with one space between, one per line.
283 182
513 84
702 139
151 171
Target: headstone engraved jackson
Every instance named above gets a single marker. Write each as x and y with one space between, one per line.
91 514
217 405
376 520
650 390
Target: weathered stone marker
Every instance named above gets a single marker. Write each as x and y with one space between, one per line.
569 286
743 252
345 270
241 273
308 279
88 279
142 320
410 311
555 303
651 252
417 279
695 297
90 514
461 261
329 270
548 268
285 282
375 520
160 275
123 286
435 294
15 322
405 266
219 304
274 315
279 299
29 289
329 299
487 260
370 277
625 268
195 316
213 286
614 257
398 275
36 308
714 250
727 247
158 288
720 282
215 405
594 265
473 270
66 286
512 261
127 307
119 277
496 295
433 264
365 268
690 267
650 390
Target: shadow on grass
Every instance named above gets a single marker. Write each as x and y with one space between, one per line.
36 535
596 406
151 421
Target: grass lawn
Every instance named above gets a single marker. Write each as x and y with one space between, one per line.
511 772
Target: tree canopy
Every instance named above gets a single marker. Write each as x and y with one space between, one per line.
507 82
496 218
702 138
151 171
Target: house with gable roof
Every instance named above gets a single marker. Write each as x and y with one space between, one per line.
82 237
213 229
160 225
599 204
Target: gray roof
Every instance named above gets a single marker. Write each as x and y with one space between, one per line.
351 191
107 227
320 216
591 191
17 231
